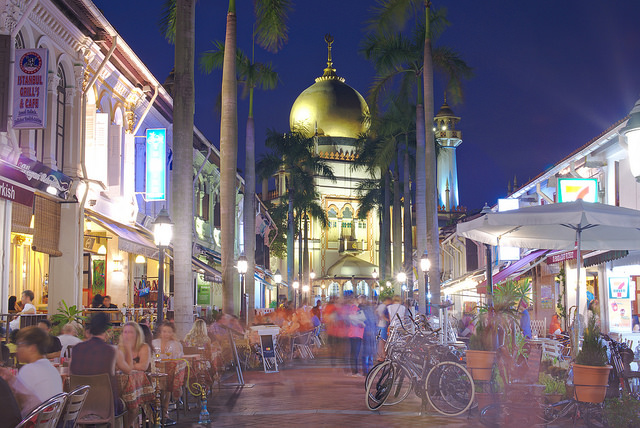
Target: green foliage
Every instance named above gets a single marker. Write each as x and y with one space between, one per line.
499 317
593 352
273 304
552 385
561 309
66 314
386 292
622 412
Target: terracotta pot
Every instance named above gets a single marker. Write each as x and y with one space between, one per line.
481 364
590 382
552 398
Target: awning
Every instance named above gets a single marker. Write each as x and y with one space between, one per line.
130 239
516 268
597 257
210 274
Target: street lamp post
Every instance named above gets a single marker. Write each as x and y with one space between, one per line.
312 276
402 279
277 277
162 234
296 285
243 266
425 265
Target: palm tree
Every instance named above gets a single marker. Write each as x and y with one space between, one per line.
271 33
251 75
391 16
294 153
180 17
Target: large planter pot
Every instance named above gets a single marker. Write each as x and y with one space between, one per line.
481 364
590 382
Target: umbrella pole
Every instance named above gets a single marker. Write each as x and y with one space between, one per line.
576 324
489 273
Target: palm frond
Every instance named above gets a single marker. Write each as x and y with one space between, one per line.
271 23
167 22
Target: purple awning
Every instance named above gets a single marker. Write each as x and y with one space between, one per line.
517 267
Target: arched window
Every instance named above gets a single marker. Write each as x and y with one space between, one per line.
347 289
60 117
334 289
333 224
362 288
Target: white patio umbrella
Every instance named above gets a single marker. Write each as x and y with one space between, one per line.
562 226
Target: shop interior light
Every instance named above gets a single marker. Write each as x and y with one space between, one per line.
52 190
102 250
117 265
140 259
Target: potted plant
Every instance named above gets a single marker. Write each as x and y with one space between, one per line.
554 388
590 370
493 324
66 314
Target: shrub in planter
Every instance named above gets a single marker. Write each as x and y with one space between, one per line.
590 371
622 412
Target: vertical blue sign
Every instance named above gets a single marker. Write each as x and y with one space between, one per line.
156 164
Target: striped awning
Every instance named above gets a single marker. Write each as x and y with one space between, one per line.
597 257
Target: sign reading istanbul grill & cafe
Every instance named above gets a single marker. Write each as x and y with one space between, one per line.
30 89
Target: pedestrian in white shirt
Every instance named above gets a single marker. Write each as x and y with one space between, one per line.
27 308
396 310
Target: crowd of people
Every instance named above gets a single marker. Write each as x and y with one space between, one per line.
39 352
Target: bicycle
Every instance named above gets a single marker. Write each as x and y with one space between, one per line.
429 369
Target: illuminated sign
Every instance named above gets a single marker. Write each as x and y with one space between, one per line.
619 288
156 164
572 189
30 89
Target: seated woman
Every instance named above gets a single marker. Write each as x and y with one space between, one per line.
197 336
132 338
166 345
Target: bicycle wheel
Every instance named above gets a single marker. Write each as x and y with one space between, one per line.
490 415
379 386
402 385
561 409
368 378
593 415
449 388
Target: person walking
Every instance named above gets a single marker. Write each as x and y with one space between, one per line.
369 338
356 319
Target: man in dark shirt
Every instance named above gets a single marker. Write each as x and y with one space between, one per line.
96 356
106 303
54 348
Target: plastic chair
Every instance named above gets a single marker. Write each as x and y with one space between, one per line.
45 415
99 407
75 401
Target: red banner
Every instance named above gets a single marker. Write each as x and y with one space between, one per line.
14 193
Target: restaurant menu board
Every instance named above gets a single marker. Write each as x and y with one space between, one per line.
30 89
620 315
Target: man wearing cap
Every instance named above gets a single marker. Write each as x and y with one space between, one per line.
525 319
96 356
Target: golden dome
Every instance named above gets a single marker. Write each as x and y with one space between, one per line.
330 107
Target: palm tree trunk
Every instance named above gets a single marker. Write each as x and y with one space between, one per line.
420 202
397 221
183 111
385 271
249 213
290 247
433 239
228 162
408 241
305 251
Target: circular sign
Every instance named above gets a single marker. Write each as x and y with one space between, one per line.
30 63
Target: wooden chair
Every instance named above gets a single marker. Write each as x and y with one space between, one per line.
75 401
29 320
99 407
45 415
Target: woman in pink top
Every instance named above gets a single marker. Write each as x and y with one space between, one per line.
355 332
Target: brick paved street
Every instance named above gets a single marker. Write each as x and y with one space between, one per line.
312 394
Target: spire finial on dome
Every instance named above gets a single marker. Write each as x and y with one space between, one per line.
445 97
329 72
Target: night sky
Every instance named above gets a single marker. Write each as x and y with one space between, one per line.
550 75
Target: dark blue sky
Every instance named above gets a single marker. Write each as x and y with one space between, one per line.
550 75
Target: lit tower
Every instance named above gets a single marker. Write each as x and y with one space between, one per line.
449 138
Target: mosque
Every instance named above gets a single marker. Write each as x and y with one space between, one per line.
343 258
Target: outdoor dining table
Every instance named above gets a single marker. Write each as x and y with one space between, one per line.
176 370
135 389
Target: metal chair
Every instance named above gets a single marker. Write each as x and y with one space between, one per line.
99 407
301 343
75 401
45 415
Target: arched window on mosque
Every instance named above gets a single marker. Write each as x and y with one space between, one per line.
362 289
334 289
333 225
347 289
347 224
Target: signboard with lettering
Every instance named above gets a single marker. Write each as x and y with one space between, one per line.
156 164
44 178
572 189
15 193
619 287
30 89
561 257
